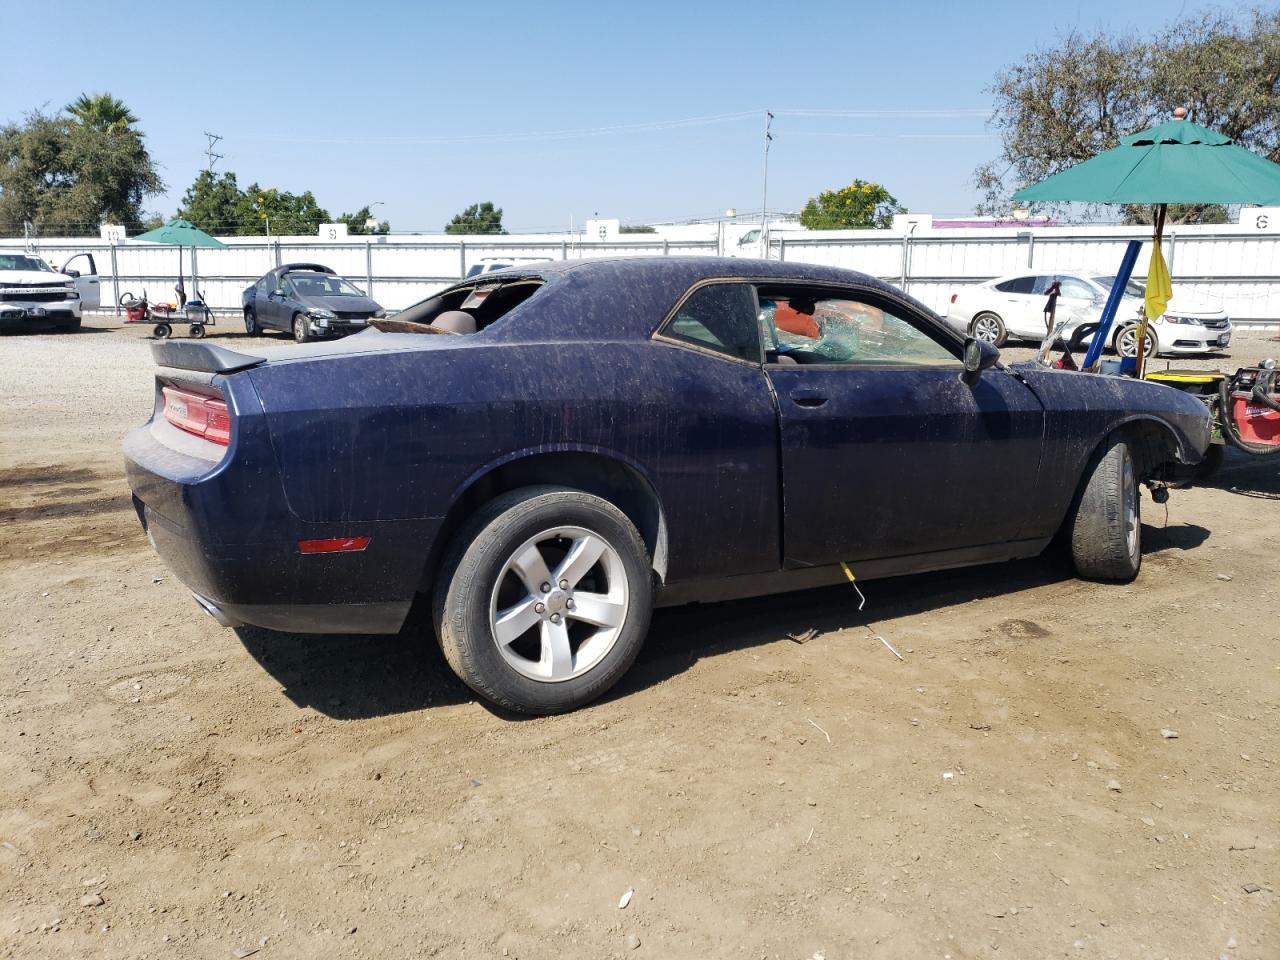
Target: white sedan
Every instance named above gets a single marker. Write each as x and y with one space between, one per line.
1013 306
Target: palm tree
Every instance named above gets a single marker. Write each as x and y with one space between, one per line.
102 112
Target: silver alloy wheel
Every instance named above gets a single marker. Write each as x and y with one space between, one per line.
250 321
300 328
987 328
1127 342
570 629
1129 505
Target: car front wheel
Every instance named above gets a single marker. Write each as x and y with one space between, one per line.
1126 342
1106 524
989 328
301 328
544 600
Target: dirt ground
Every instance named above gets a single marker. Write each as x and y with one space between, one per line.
169 788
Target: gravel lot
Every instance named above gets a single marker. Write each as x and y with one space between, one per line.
172 789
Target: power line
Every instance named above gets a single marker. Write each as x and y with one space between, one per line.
626 128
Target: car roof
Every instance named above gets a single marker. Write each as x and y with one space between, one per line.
629 296
312 267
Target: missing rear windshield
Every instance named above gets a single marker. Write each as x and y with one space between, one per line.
462 310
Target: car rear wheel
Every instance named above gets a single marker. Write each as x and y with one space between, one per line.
990 328
544 600
1106 524
251 322
301 328
1126 341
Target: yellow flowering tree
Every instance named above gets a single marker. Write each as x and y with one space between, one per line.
860 204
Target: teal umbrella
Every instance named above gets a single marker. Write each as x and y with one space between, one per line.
1174 162
180 233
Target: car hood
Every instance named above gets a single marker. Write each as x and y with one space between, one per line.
35 278
1179 306
343 304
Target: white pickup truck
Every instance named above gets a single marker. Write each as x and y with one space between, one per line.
33 294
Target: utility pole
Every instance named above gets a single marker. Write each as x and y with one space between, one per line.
764 200
208 151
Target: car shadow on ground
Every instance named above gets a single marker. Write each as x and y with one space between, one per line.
360 677
39 331
1247 476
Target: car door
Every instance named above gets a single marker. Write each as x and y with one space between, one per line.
885 450
1020 307
271 305
85 271
1077 301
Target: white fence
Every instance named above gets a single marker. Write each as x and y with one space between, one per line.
1227 266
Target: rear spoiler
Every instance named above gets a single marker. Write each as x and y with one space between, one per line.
202 357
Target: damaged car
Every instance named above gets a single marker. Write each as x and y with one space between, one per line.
549 453
308 300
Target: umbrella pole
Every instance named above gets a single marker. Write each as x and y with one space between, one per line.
1140 341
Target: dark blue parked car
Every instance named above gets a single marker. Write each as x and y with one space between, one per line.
552 450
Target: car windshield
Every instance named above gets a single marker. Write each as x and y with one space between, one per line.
1131 289
20 261
322 285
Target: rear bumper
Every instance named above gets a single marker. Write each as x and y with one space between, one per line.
226 531
310 618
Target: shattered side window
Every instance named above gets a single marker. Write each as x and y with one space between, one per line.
837 330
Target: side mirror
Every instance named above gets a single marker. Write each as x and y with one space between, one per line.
277 292
978 355
73 274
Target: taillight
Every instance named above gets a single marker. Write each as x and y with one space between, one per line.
953 297
195 413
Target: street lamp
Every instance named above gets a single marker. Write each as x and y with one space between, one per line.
371 222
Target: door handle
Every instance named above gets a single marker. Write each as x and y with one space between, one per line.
807 398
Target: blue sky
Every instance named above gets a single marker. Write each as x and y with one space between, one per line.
428 107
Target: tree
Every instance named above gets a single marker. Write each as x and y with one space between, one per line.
356 222
101 112
66 176
861 204
477 218
281 211
213 203
1062 105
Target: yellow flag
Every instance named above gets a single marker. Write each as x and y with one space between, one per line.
1159 289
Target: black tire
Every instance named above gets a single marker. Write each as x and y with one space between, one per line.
989 327
71 327
301 328
1128 350
476 570
251 326
197 331
1105 525
161 331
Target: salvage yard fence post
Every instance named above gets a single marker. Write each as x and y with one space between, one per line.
115 279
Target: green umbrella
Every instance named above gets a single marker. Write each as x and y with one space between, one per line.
1175 162
180 233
